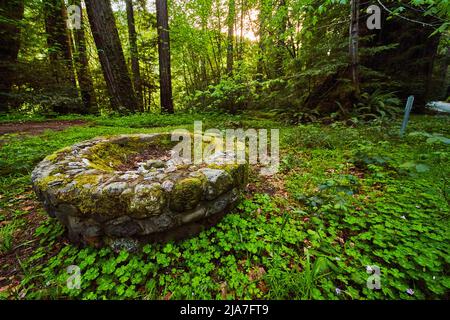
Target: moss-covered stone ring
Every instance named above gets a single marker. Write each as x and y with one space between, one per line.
125 189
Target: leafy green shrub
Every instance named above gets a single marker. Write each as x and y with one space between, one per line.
378 106
230 95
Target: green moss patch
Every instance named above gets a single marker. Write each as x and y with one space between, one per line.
187 193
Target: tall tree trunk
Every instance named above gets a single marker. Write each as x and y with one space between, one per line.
241 35
216 69
262 18
430 85
58 41
354 44
11 12
165 78
107 41
444 75
204 56
230 49
134 52
219 40
281 43
82 67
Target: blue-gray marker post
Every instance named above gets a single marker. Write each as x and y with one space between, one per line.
409 105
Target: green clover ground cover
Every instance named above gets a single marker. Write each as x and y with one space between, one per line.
347 198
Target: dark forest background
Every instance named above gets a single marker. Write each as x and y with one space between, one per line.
286 57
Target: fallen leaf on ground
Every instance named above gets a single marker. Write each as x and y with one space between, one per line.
168 296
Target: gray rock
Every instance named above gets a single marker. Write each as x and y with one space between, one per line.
116 188
170 169
74 172
220 204
194 215
142 170
167 185
56 183
75 227
219 182
162 222
161 176
155 164
147 226
86 163
129 176
92 229
122 227
150 176
68 209
127 244
147 200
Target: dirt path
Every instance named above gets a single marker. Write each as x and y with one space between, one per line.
33 127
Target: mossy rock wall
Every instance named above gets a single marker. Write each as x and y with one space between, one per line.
84 188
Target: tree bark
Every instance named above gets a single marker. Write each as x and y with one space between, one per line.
219 40
165 78
241 35
262 18
112 60
134 54
445 75
230 40
354 44
13 11
58 42
82 67
430 85
281 43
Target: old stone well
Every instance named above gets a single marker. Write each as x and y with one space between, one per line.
127 189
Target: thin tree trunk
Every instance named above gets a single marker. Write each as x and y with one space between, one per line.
195 70
190 72
9 47
185 78
263 15
134 52
241 36
204 74
354 44
204 56
165 78
147 85
219 41
111 56
230 22
216 68
82 67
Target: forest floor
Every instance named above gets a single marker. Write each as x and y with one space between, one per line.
37 127
346 200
